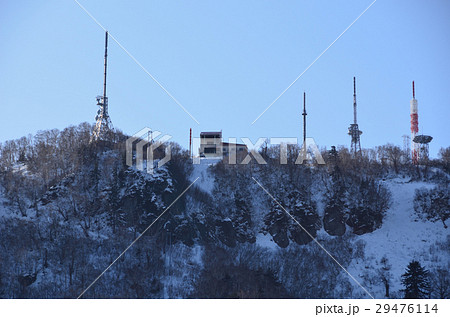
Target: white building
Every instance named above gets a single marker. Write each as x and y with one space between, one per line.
211 145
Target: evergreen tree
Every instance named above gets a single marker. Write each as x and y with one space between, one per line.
368 201
276 223
415 280
241 217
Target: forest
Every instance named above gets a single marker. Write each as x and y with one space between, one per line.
69 207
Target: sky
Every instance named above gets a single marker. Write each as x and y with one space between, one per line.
226 62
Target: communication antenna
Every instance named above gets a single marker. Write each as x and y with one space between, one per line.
304 114
353 130
190 143
419 143
103 123
406 145
414 114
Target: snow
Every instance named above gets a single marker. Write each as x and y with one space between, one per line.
205 180
266 241
183 265
19 167
402 237
197 253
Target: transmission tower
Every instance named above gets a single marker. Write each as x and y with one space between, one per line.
103 123
353 130
406 147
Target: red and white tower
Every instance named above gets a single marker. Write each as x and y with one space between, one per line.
414 127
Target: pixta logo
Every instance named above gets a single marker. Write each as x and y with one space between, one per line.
150 140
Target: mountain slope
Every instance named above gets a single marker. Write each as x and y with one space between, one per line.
402 238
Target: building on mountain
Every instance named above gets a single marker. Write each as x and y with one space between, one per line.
211 145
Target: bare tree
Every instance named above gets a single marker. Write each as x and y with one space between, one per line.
440 283
391 153
433 204
385 274
444 155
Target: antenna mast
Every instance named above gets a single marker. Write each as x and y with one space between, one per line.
103 123
304 118
190 143
106 64
355 121
419 143
414 114
353 130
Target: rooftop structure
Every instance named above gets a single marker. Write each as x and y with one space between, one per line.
211 145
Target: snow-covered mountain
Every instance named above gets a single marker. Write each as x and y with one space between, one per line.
241 231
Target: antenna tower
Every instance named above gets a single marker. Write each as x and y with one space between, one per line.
406 146
190 143
353 130
304 118
103 123
415 151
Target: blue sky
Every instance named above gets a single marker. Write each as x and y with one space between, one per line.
226 62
